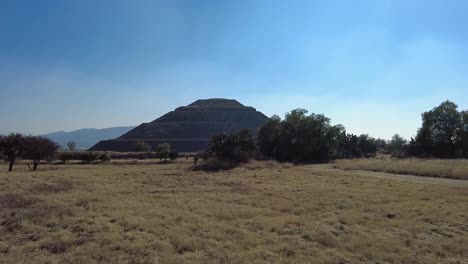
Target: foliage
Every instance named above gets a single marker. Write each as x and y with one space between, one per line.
38 149
173 155
11 147
163 150
104 157
238 147
303 138
71 145
397 146
88 157
444 133
215 164
65 156
142 147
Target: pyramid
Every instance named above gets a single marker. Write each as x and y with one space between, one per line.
189 128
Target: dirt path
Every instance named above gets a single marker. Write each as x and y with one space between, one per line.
392 176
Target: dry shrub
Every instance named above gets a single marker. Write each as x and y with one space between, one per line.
52 187
15 201
56 245
454 169
214 164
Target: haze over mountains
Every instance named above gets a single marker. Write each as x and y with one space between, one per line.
87 137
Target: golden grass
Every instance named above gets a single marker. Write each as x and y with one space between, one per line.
259 213
453 169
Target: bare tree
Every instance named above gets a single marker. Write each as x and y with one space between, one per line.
37 149
71 145
11 147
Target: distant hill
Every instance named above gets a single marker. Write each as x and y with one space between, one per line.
87 137
189 128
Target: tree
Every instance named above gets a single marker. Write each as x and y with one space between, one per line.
463 134
268 135
238 147
366 145
441 130
173 155
163 150
397 146
142 147
11 147
301 137
71 145
38 149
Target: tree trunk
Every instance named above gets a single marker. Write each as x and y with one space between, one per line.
10 168
36 163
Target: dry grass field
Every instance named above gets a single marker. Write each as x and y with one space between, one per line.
453 169
259 213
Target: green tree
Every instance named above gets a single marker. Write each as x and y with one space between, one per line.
440 132
238 147
302 137
11 147
268 135
463 134
163 150
142 147
397 145
38 149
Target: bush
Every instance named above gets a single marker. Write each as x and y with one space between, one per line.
397 146
65 157
214 164
238 147
142 147
173 155
104 157
88 157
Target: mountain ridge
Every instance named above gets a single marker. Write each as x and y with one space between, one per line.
86 137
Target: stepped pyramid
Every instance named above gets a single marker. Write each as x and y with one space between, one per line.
189 128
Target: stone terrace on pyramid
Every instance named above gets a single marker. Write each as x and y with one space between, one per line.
189 128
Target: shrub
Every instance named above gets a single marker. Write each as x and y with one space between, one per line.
65 156
173 155
104 157
397 146
142 147
238 147
88 157
214 164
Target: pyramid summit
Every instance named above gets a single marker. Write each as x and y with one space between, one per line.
189 128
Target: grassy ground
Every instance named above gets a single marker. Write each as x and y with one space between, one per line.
261 213
453 169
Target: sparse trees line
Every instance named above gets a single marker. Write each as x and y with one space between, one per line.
298 138
312 138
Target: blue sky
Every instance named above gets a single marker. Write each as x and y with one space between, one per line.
373 66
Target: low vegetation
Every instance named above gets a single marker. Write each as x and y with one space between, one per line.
454 169
259 212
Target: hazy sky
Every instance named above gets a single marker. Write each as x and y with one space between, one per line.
373 66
